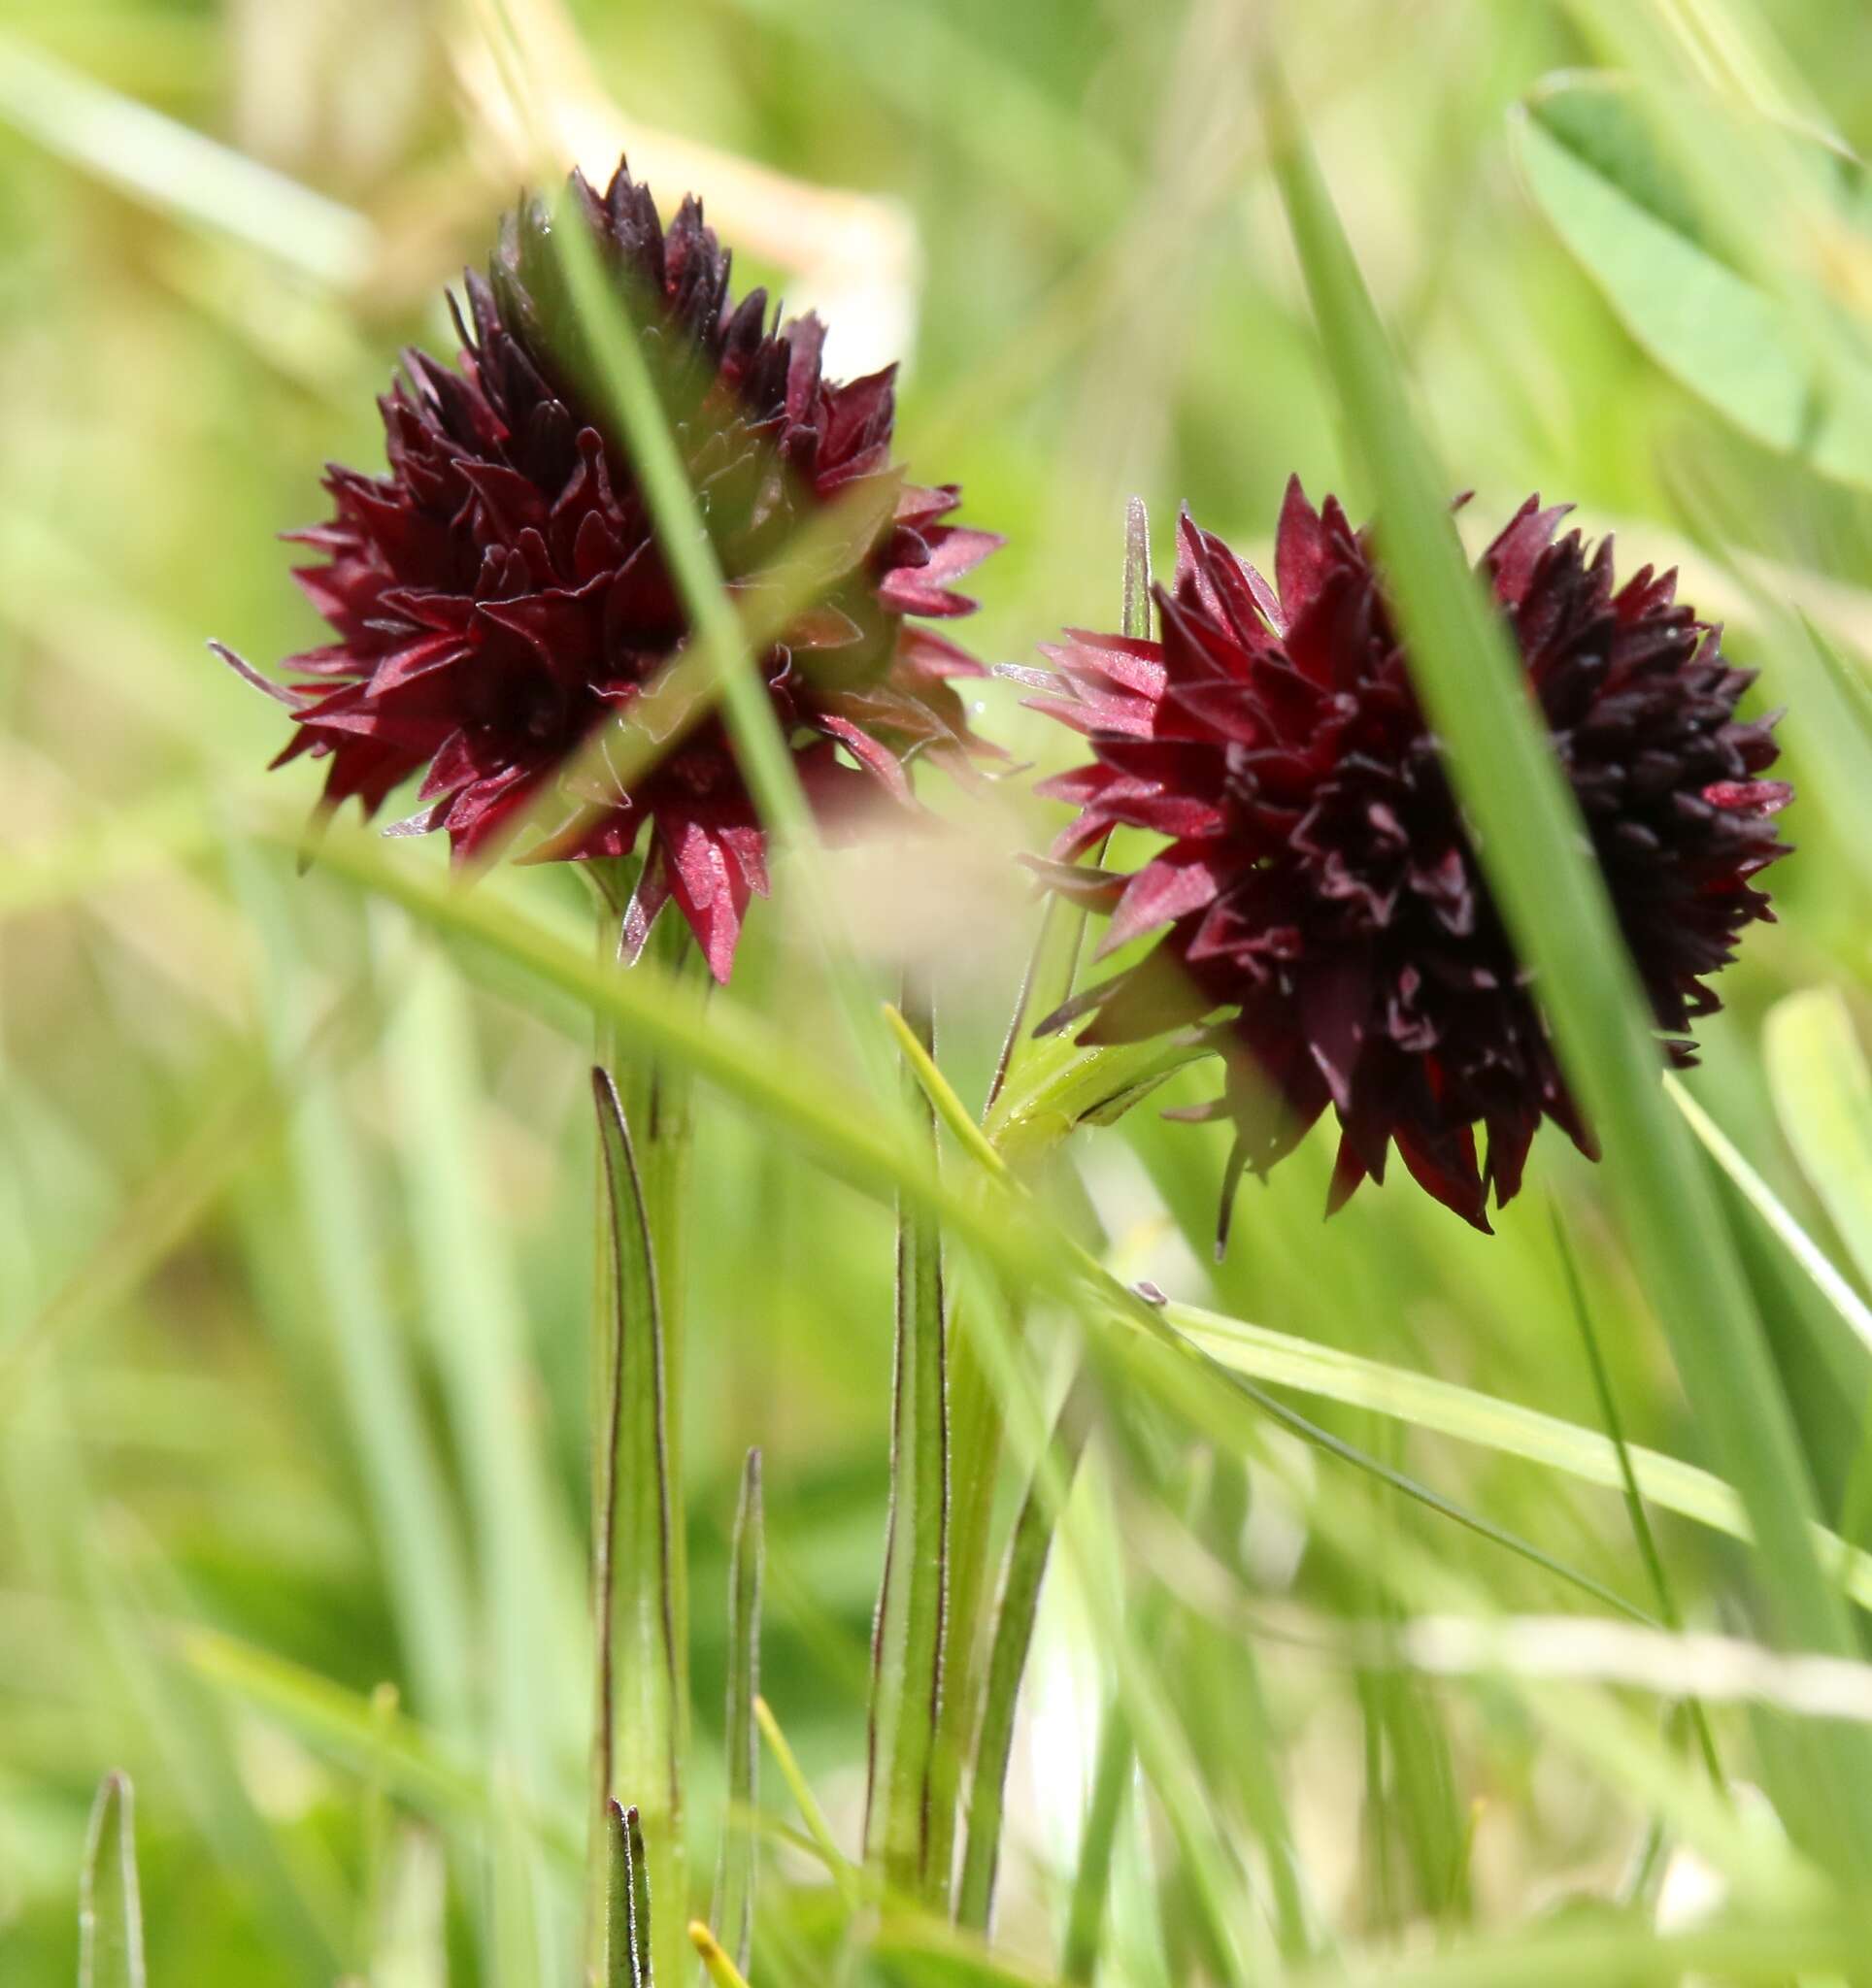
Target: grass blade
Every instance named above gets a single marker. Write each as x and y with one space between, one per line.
717 1966
806 1803
733 1909
1775 1214
1557 908
908 1784
635 1739
110 1909
643 1927
1661 1594
368 1735
1823 1092
621 1969
528 1600
1015 1609
408 1500
178 170
1449 1410
1111 1783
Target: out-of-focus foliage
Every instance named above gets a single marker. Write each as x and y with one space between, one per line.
295 1196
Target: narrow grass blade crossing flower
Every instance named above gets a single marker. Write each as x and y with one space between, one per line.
1558 912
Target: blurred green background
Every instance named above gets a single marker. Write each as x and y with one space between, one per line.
295 1206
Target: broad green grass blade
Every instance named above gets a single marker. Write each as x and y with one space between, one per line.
1557 908
1822 1091
733 1908
1850 676
636 1740
1589 155
908 1784
110 1907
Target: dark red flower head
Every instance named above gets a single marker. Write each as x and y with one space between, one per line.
499 594
1328 922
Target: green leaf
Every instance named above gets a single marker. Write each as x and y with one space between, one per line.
1558 912
1823 1092
1590 157
110 1909
909 1783
635 1741
733 1909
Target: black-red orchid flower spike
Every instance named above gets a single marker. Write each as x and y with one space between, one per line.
1325 917
499 594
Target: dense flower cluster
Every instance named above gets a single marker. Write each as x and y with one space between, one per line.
499 594
1328 924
